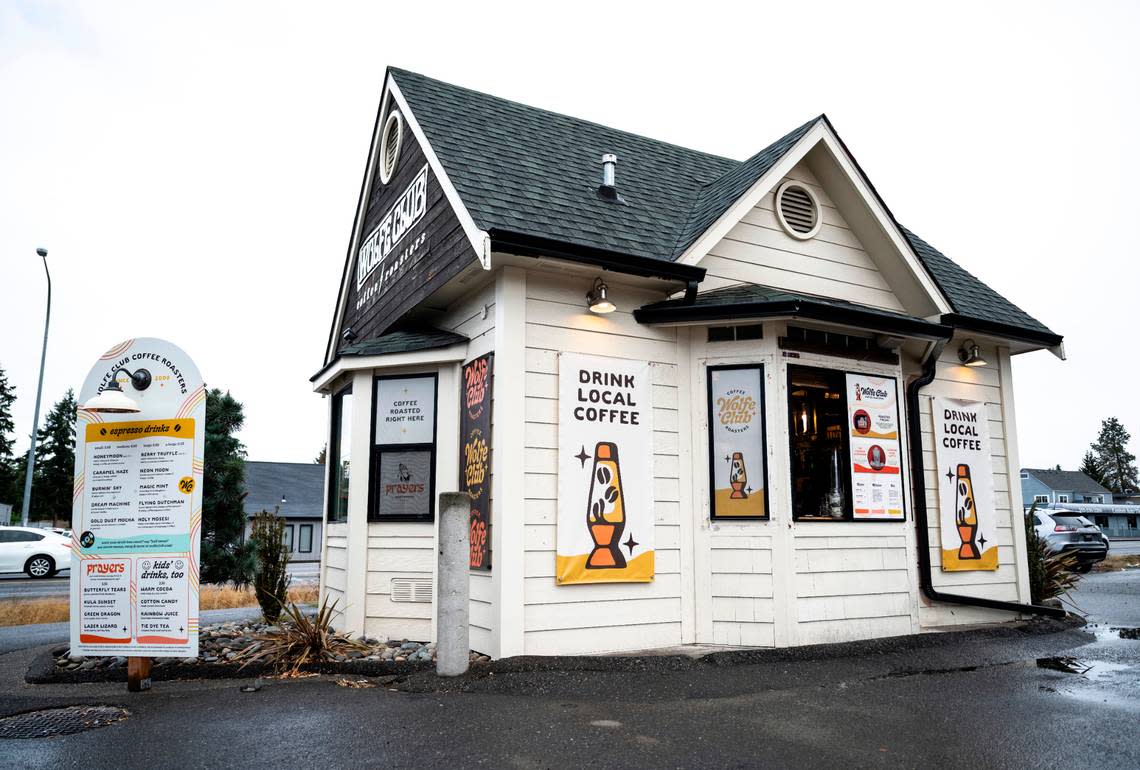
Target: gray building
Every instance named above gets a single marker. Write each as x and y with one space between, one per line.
296 492
1116 515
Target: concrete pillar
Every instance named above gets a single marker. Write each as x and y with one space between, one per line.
453 644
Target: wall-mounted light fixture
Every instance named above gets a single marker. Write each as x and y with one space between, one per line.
113 400
970 355
283 500
598 298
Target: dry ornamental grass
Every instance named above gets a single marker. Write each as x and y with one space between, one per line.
56 609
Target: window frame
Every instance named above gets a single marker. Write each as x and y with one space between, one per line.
376 452
287 537
332 454
848 491
763 406
301 529
1041 498
1062 498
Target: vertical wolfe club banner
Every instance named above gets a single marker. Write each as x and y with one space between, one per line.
876 453
736 451
605 473
137 510
475 454
968 523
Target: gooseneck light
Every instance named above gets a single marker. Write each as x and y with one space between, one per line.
113 400
598 298
970 354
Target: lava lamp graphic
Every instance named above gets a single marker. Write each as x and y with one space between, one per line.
605 516
966 515
737 477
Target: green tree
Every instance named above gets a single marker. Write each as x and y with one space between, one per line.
226 557
1117 465
8 459
1090 468
55 463
320 458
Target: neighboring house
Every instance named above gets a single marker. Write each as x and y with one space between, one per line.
296 492
719 407
1117 515
1047 485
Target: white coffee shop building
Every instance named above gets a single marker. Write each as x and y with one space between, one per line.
695 399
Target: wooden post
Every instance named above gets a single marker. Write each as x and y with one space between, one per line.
138 674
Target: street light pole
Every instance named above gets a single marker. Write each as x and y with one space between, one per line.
39 390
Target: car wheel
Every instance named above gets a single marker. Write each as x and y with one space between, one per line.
1084 569
40 567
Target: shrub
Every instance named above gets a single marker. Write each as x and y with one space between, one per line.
299 640
272 581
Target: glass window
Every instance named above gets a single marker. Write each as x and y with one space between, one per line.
1102 522
1041 498
845 446
737 445
305 538
338 455
402 465
1062 498
19 536
1132 522
287 537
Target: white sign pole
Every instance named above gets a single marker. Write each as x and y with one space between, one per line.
137 508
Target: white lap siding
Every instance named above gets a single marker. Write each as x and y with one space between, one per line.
953 380
833 263
335 560
596 617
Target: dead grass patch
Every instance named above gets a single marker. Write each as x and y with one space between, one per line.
1118 563
56 609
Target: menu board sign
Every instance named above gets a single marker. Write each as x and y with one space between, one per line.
737 466
876 452
967 522
475 454
136 518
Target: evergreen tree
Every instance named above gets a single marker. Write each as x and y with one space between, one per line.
55 463
225 557
1090 468
320 458
8 459
1116 463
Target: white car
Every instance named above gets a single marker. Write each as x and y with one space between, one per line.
39 552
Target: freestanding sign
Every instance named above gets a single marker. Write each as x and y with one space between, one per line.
137 509
968 524
605 471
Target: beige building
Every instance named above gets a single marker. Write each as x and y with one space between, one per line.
729 402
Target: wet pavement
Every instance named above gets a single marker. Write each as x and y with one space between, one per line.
993 698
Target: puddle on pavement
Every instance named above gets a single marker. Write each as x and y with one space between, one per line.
1090 669
1112 633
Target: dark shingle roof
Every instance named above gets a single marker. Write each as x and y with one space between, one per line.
1066 481
302 484
404 341
525 170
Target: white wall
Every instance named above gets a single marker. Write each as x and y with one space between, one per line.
596 617
833 263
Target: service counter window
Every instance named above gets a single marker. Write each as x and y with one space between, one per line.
402 466
340 440
845 448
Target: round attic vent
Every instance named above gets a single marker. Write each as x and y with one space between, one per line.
390 145
798 210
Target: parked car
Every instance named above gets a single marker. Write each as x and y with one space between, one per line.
39 552
1070 532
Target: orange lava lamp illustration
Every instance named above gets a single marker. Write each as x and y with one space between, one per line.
966 516
737 477
605 515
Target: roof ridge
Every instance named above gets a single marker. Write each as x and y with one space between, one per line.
502 99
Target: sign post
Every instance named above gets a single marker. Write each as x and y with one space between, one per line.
137 508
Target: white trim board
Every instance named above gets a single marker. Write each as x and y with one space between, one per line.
820 133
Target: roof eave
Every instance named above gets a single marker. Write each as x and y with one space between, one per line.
1039 339
526 245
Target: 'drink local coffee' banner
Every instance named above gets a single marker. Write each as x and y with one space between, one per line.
475 454
736 451
876 454
965 486
605 473
137 510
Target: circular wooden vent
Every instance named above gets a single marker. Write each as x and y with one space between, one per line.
798 210
390 146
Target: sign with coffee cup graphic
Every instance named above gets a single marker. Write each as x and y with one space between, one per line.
605 471
737 463
967 521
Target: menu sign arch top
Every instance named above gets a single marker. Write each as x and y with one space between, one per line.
137 510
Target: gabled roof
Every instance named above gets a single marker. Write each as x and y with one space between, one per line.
301 484
1067 481
527 171
404 341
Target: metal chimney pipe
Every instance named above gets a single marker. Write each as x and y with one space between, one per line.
609 165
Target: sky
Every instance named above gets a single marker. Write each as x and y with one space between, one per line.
193 168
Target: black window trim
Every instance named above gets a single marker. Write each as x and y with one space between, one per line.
377 450
332 453
301 528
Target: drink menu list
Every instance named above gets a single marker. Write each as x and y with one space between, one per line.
876 453
135 532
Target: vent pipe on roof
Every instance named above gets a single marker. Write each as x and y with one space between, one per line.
608 189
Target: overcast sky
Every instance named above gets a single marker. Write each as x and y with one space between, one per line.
193 167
